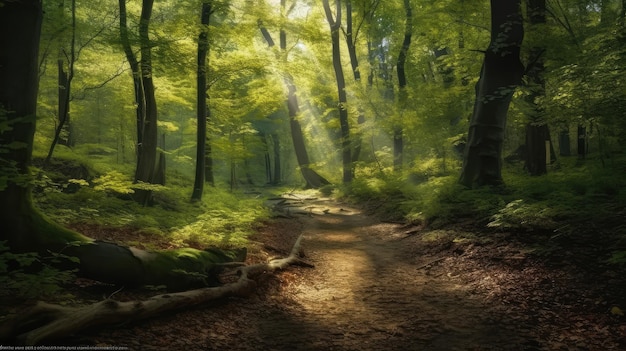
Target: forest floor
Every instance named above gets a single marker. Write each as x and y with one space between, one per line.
386 286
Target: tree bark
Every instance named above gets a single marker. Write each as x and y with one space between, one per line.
537 131
351 39
136 71
582 141
346 147
64 92
20 26
146 164
313 179
501 73
398 142
201 101
277 166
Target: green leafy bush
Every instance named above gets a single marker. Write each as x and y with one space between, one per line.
29 275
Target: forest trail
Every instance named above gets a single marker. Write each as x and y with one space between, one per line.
368 291
379 286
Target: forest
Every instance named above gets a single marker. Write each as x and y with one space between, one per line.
297 174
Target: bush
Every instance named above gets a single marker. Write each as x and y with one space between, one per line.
30 276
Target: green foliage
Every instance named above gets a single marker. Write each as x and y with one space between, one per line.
226 222
519 215
30 275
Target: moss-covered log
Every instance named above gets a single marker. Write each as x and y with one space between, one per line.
178 269
46 322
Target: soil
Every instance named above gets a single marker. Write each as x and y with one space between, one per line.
387 286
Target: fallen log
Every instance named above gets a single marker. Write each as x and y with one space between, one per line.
45 322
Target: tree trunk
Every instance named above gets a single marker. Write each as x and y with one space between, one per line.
20 26
64 93
582 141
351 38
500 74
148 148
277 166
564 144
208 164
398 142
346 147
62 105
201 101
267 158
537 132
313 179
137 82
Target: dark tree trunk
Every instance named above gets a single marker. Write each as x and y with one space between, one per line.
500 74
346 147
20 26
312 178
137 82
351 41
146 165
536 137
582 141
277 167
201 101
266 158
564 144
351 38
537 131
63 104
398 142
208 165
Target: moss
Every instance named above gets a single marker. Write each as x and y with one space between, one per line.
49 234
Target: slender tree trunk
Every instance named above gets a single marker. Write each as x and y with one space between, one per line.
266 157
346 147
351 41
146 164
312 178
62 104
564 143
398 141
201 97
277 166
209 177
501 72
137 82
64 93
582 141
351 38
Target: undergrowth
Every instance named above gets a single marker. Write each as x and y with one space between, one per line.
222 218
574 197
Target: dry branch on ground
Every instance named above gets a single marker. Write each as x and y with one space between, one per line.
46 321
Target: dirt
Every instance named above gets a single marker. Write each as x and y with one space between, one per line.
385 286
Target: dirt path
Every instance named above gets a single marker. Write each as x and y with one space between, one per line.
366 293
374 288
